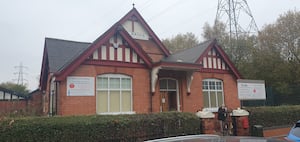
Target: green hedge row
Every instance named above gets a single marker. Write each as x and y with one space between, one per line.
137 127
274 115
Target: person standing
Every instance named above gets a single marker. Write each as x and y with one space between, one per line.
222 116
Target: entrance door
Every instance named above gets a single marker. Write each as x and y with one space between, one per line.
169 95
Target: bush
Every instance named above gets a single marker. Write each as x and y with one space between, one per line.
274 116
137 127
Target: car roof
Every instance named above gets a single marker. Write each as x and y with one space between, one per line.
214 138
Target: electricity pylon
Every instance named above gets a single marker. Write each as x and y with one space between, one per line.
20 73
239 21
237 16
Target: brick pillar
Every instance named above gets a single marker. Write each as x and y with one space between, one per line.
208 125
207 122
241 122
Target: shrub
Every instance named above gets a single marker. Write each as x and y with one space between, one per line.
137 127
274 116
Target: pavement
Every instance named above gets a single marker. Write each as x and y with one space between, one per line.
279 133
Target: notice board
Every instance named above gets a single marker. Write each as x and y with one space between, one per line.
80 86
251 89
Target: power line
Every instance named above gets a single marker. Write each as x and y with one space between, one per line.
165 10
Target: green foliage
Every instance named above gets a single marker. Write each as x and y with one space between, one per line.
273 55
274 116
218 30
180 42
20 89
137 127
279 53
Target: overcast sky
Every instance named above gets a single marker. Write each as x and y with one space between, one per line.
24 24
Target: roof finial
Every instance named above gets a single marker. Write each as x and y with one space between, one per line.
133 5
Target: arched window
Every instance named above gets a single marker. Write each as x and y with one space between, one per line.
114 94
213 95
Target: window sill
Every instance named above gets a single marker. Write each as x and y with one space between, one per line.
116 113
212 109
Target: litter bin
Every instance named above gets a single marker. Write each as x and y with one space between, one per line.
257 131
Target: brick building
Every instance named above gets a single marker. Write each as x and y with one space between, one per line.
13 103
128 70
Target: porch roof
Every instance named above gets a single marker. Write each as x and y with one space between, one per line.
179 66
190 55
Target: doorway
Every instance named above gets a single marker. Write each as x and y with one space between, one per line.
169 98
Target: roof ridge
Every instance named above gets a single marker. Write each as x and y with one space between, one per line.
49 38
196 46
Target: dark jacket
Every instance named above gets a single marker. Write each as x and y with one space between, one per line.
221 114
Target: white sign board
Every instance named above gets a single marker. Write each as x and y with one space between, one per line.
80 86
251 89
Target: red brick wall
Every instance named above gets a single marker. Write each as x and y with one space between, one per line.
12 106
71 105
34 104
45 97
195 98
194 101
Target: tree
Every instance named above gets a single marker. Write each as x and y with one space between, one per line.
284 36
217 31
180 42
20 89
239 50
282 39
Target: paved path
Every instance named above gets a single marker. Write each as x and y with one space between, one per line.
277 132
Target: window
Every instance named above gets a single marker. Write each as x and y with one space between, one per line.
1 95
169 95
212 93
114 94
167 85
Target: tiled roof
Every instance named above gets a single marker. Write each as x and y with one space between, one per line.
190 55
62 52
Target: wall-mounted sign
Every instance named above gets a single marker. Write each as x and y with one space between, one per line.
137 35
251 89
80 86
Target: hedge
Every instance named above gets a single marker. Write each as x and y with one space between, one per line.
136 127
274 115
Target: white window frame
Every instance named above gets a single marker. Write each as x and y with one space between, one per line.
209 90
120 76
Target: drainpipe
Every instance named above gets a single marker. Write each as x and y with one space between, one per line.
56 96
150 90
51 93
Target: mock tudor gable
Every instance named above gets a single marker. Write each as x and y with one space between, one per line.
131 30
128 70
209 55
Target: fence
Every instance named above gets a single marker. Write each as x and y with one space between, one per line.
274 98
